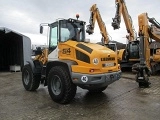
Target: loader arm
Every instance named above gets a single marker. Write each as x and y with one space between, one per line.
42 56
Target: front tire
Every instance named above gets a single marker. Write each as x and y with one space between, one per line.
60 86
30 81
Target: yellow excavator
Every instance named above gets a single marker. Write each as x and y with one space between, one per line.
70 61
95 15
147 62
130 55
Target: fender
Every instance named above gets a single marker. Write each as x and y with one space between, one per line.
31 64
36 66
65 63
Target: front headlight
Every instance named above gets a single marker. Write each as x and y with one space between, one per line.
95 61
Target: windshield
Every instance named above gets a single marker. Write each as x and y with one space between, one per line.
71 30
134 51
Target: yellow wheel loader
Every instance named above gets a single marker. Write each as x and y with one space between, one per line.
70 61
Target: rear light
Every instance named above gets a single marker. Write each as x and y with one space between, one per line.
119 67
91 70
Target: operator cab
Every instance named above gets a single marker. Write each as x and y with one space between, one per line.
71 29
133 49
66 29
63 30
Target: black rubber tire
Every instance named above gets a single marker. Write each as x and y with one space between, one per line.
67 89
30 81
98 90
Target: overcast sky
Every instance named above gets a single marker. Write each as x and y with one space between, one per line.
25 16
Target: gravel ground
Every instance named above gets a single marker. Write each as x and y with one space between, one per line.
122 100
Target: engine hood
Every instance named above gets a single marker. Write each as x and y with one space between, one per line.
96 47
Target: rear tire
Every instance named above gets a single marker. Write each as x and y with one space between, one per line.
60 86
98 90
30 81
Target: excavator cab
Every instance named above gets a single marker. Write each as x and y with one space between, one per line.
112 46
133 49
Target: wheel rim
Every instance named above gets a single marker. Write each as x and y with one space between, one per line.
56 85
26 77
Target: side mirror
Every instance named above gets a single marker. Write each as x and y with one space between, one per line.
41 29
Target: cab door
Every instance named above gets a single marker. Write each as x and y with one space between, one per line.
53 42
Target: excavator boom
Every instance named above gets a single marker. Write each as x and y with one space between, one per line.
95 15
129 56
121 9
146 32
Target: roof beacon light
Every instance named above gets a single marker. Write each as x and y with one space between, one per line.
77 16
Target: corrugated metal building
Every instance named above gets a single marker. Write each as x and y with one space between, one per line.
15 49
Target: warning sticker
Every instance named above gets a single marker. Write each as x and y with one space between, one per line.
84 79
